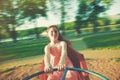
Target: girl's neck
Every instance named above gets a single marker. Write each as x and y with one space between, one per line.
54 42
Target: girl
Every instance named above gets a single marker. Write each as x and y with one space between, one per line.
59 54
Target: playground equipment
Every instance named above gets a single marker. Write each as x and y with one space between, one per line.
65 72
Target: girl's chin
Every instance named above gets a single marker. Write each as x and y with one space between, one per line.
54 39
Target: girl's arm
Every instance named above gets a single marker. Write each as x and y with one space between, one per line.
48 66
63 55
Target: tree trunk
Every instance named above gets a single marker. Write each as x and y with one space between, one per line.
36 30
62 17
14 34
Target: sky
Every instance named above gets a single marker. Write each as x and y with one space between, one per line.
115 8
52 19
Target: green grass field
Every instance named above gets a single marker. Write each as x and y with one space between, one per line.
107 40
21 49
34 47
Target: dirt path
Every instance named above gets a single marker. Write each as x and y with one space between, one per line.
107 66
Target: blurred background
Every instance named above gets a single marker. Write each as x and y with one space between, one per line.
92 26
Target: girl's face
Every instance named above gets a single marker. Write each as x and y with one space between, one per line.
53 34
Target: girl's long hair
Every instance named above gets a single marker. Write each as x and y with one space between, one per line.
60 37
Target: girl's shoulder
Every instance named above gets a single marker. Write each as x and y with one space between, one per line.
47 46
63 43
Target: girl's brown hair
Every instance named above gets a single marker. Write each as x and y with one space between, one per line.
60 37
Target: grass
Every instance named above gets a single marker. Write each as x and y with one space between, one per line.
103 41
108 40
34 47
21 49
116 59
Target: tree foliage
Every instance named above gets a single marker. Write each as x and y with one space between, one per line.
89 11
61 9
15 12
32 8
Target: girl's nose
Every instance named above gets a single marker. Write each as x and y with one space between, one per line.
53 33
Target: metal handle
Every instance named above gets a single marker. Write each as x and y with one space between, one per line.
65 72
37 74
83 70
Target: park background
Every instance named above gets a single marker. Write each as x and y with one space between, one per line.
92 26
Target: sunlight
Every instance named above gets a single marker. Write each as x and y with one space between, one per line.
115 8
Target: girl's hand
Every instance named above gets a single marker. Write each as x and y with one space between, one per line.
48 68
61 67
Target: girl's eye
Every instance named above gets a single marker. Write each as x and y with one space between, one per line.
55 31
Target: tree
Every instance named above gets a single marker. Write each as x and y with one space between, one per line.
33 9
4 17
81 16
88 11
61 9
10 13
15 12
96 10
4 29
62 15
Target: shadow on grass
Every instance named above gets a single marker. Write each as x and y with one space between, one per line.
116 59
7 70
